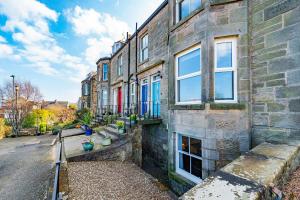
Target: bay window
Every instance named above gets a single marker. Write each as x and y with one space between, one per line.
189 158
104 98
188 76
226 70
119 65
105 72
186 7
144 48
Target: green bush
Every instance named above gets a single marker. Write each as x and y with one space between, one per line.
56 130
29 121
120 124
133 117
43 128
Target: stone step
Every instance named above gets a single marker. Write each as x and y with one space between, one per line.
114 126
113 131
103 134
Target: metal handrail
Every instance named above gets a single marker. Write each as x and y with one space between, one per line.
55 193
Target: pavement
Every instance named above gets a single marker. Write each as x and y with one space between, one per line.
73 144
26 167
113 180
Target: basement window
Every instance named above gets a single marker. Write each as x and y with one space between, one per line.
189 158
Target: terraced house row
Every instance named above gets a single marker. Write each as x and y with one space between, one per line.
221 76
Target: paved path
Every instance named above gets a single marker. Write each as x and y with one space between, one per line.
72 132
25 167
110 180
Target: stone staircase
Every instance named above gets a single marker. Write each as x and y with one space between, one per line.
112 131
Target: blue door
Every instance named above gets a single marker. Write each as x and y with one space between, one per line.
156 98
144 99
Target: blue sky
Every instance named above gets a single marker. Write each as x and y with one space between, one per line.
55 43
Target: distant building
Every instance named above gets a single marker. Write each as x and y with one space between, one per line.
55 103
89 92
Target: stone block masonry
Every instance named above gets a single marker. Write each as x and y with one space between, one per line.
274 28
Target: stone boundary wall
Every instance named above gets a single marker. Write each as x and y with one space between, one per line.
120 151
250 176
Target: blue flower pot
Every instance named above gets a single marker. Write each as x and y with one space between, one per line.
88 132
88 146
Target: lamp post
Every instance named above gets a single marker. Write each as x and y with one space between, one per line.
17 113
13 105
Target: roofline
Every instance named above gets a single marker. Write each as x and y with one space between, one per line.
102 59
162 5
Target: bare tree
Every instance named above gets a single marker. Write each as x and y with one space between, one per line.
28 96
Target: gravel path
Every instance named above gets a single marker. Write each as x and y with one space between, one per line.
109 180
292 189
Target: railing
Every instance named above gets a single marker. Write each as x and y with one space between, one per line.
145 109
55 194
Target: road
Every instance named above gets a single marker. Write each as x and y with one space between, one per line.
26 167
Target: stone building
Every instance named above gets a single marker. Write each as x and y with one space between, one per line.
103 85
222 75
89 92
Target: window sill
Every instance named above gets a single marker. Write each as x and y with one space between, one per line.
227 106
180 179
143 62
188 107
181 22
220 2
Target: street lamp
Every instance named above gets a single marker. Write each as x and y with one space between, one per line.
17 113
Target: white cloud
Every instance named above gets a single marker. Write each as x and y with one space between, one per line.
100 29
2 39
27 21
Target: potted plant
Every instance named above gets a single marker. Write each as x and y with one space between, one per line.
133 118
88 144
106 141
121 127
86 120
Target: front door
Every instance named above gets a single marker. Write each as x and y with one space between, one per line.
144 103
119 99
155 90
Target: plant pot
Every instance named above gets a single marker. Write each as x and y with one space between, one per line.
88 146
106 141
121 131
88 132
133 122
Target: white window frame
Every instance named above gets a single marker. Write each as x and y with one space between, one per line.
178 9
182 172
233 69
120 65
132 93
142 48
104 72
104 99
177 78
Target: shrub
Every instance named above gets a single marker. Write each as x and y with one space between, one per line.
56 130
4 129
133 117
43 128
120 124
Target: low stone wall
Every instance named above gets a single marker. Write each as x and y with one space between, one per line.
250 176
120 151
28 132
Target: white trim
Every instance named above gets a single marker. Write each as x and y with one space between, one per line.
199 73
233 69
183 172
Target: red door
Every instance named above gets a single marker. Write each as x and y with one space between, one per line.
119 99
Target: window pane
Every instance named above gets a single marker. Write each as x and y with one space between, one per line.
195 4
224 86
184 8
195 147
183 143
224 55
189 63
184 162
196 167
189 89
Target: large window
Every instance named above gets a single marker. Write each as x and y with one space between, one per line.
119 65
188 76
186 7
189 158
225 70
144 48
105 72
132 93
86 89
104 98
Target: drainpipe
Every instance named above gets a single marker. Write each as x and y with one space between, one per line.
128 74
136 67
